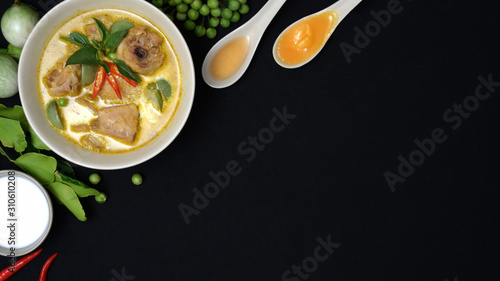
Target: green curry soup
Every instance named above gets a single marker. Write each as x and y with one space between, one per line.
105 123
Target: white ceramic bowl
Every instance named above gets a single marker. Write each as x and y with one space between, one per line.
28 85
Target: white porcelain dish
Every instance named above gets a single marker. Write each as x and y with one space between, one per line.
28 85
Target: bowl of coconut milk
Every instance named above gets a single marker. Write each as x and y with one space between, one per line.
25 213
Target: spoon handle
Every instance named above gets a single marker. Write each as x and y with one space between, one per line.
266 14
343 7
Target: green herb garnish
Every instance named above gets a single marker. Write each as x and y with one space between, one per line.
125 71
91 52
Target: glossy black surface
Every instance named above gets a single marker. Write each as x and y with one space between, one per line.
322 176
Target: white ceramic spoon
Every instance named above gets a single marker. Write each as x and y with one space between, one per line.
253 30
342 7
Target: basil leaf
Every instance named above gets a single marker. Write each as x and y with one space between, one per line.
68 197
40 166
72 41
106 67
97 44
125 71
86 55
77 39
114 39
12 134
120 25
102 29
80 38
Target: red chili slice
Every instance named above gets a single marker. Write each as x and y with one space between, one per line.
99 80
114 70
112 81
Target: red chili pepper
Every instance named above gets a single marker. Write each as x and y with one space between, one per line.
112 81
114 70
9 271
99 80
45 268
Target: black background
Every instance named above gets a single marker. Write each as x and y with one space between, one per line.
321 176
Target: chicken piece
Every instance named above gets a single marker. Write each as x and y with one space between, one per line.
92 32
120 122
92 142
80 128
87 104
64 80
140 50
108 94
91 27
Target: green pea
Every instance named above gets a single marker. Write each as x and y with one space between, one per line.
112 56
158 3
244 9
213 4
189 25
101 198
227 14
193 14
182 8
181 16
225 23
62 102
94 178
204 10
214 22
196 4
236 17
200 31
233 5
137 179
216 12
211 32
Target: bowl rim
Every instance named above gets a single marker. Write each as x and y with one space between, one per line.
71 151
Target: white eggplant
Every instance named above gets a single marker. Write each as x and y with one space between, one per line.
18 22
8 76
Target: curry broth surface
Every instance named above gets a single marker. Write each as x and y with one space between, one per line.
151 122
